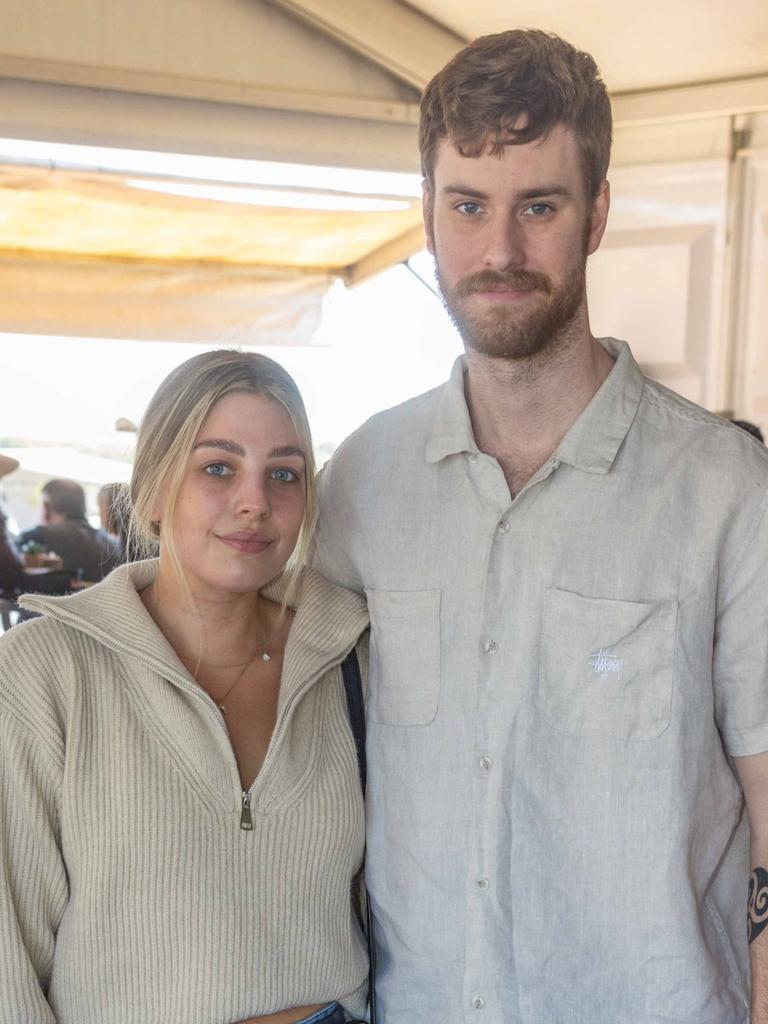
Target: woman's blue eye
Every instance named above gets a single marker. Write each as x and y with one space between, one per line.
218 469
285 475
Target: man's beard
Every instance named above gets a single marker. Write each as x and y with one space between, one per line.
505 331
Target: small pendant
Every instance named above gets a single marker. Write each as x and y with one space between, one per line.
266 657
222 709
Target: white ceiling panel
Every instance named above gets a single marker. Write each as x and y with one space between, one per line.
645 45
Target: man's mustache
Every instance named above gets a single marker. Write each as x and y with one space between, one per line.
488 280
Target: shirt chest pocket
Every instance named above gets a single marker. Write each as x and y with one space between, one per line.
607 667
405 656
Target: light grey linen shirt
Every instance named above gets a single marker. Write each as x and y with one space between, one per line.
556 833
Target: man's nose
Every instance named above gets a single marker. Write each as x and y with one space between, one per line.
504 244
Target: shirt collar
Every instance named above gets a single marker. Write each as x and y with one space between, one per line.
593 441
451 427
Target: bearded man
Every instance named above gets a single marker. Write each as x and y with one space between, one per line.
566 566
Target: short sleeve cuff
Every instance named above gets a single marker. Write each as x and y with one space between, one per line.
744 742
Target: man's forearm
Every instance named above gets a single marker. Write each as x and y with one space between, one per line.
757 931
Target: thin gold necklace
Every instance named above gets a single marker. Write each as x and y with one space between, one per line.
265 656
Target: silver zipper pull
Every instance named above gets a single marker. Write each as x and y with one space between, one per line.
246 821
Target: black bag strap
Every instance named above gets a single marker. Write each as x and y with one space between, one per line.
353 688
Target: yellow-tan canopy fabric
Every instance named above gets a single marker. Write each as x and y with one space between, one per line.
89 254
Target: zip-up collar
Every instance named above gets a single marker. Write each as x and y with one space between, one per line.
328 621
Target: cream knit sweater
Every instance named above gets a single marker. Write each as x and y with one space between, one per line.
129 894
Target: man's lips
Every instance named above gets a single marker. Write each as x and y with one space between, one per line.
503 293
243 540
493 287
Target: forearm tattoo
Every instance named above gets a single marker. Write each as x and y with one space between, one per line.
757 905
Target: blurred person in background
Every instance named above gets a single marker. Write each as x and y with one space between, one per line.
112 501
12 576
85 552
751 428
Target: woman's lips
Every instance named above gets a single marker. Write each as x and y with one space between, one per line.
250 543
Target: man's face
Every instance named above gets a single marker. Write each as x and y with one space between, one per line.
510 235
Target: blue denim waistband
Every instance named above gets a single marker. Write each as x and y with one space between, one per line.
323 1015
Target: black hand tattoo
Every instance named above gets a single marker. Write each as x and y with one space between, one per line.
757 905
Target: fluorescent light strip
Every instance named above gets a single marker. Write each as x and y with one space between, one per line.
210 168
272 197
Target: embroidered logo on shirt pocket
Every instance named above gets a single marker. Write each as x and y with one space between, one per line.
405 656
607 667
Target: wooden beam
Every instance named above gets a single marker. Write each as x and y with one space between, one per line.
391 34
387 255
213 90
684 103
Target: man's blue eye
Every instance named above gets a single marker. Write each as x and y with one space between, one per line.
468 207
538 209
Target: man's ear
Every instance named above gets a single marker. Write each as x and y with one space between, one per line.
427 209
598 218
46 512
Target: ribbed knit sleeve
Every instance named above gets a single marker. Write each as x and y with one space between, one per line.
33 882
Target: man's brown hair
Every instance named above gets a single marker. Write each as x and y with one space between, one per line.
522 77
66 497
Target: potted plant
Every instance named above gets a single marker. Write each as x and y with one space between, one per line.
36 557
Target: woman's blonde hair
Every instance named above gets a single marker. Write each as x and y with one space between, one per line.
172 422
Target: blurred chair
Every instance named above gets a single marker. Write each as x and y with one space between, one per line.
9 614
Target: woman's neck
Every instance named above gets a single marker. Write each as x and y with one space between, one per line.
210 627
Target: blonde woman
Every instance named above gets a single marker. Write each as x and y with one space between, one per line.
180 812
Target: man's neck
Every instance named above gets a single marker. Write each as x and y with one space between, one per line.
522 409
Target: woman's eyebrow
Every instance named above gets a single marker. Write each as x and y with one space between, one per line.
222 444
283 451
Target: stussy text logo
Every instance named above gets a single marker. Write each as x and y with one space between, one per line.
604 663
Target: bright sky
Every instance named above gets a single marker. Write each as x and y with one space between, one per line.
378 344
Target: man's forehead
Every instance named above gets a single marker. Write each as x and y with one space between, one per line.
558 139
555 153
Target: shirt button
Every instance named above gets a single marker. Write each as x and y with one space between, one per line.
482 883
486 763
478 1002
473 457
504 526
491 647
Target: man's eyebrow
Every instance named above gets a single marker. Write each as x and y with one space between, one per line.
539 192
458 189
222 444
544 191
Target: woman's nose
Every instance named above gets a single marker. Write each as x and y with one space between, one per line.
253 500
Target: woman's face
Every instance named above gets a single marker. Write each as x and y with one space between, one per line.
242 499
